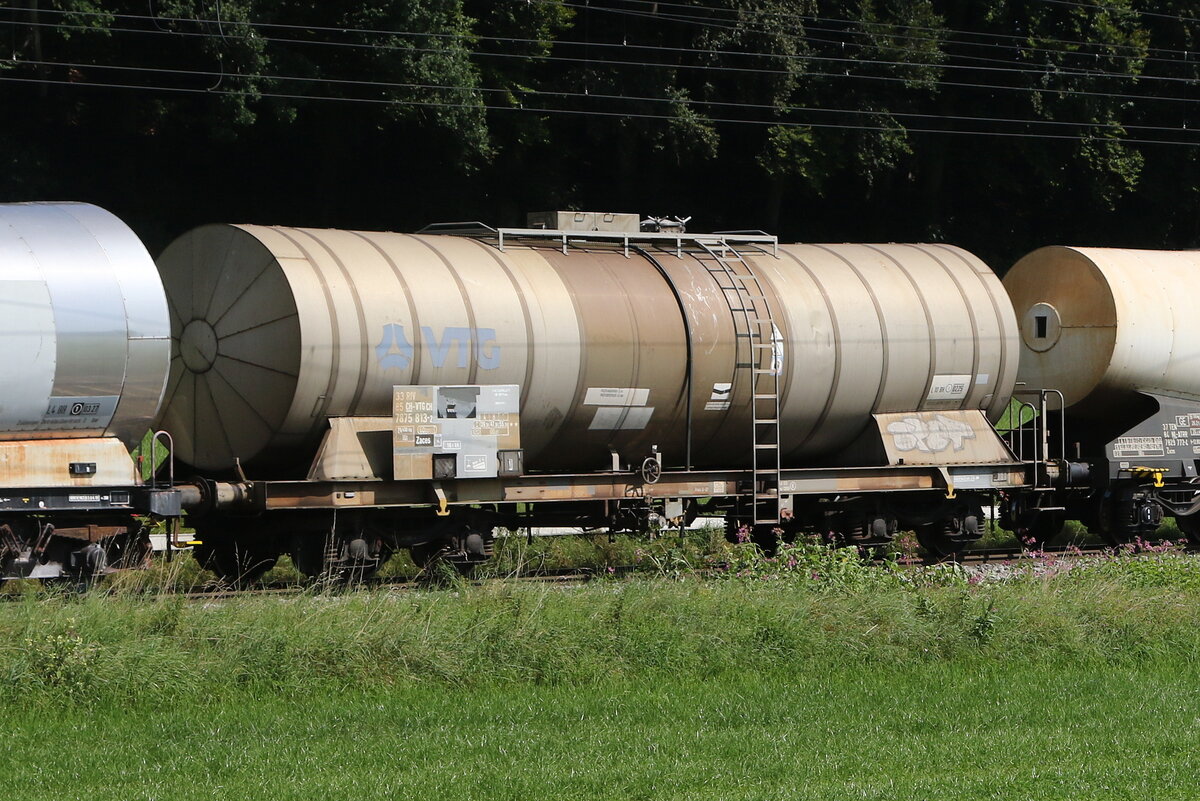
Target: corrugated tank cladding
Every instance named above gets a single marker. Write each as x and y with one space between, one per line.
1100 324
279 328
888 328
84 322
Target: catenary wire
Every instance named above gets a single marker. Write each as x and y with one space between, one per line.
599 96
623 45
1139 12
661 65
807 74
707 22
590 113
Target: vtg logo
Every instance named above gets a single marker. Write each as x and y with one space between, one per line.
395 352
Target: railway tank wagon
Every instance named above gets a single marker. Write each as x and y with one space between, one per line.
1113 331
86 340
785 382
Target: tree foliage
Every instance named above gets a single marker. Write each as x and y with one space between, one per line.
1000 124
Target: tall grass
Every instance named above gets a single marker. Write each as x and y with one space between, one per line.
768 622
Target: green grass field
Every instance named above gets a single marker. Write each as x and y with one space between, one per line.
1040 730
825 679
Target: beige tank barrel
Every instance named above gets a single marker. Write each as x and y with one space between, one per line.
1100 324
887 328
280 328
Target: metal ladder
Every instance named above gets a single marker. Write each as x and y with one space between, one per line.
755 333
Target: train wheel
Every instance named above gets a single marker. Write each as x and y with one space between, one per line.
311 554
425 554
936 540
767 537
1190 528
947 538
1041 527
233 559
464 551
736 531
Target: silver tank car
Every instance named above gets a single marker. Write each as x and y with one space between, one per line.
1101 324
85 325
279 329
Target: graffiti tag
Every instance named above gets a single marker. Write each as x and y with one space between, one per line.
930 436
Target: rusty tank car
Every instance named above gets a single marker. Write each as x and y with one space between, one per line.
1110 334
84 323
337 395
790 385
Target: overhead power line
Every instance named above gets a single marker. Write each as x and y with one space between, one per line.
1137 12
697 67
1041 71
229 31
590 113
1018 42
591 96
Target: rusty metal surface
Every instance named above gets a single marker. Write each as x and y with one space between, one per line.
46 463
1112 322
91 533
280 495
630 389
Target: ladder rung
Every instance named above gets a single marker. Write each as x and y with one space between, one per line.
774 446
765 396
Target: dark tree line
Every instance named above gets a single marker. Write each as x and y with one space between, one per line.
1000 125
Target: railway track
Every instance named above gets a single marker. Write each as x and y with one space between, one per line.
567 576
553 576
1008 554
577 575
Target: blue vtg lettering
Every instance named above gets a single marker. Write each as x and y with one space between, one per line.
395 352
